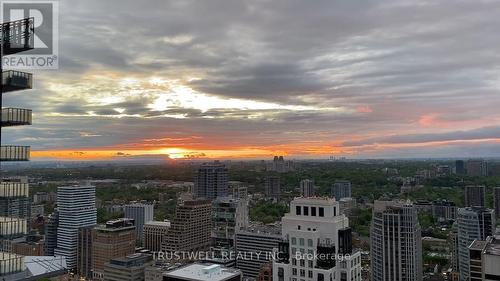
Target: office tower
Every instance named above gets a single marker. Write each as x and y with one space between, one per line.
485 259
477 167
472 223
51 233
76 206
202 272
211 181
346 205
114 239
273 187
239 192
128 268
496 199
258 241
228 216
444 210
84 252
191 227
396 244
460 167
341 189
315 226
154 231
474 196
141 214
307 188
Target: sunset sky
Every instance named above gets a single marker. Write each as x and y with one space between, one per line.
252 79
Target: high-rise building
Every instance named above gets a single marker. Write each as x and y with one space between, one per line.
496 200
485 259
460 167
115 239
211 181
154 231
141 214
316 243
472 223
396 244
273 187
307 188
257 241
76 206
477 167
341 189
84 252
202 272
444 210
190 228
51 233
127 268
474 195
228 216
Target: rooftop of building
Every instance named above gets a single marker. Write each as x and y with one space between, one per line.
158 223
382 205
203 272
117 225
259 228
136 259
493 247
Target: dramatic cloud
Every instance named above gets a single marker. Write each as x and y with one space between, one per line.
252 78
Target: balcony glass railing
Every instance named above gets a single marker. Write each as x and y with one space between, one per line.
14 153
12 227
15 117
18 36
13 80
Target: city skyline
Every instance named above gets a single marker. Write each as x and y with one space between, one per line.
385 79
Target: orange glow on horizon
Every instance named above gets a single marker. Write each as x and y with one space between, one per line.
290 150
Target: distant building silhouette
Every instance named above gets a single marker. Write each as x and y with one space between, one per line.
474 195
273 187
341 189
460 167
477 167
211 181
307 188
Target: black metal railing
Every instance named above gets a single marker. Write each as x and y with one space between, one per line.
14 153
13 80
16 117
18 36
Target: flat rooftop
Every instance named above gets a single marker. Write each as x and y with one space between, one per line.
203 272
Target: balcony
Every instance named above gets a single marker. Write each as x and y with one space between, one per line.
14 153
15 117
13 80
18 36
